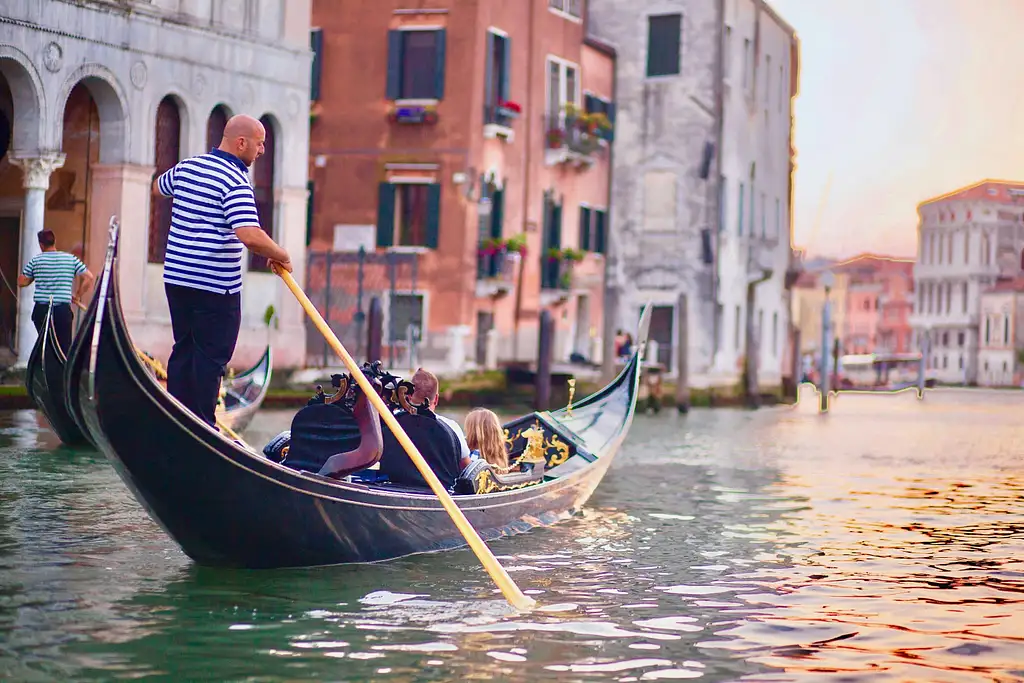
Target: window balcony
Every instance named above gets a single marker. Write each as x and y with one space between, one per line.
575 138
415 114
496 272
498 120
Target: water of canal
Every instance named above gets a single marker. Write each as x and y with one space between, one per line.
884 541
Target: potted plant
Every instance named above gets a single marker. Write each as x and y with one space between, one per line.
413 114
570 255
509 109
556 138
517 244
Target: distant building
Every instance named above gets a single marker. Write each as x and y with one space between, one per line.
878 303
966 240
1001 322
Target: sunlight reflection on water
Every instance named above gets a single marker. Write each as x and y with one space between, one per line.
884 541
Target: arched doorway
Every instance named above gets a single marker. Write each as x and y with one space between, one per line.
264 183
215 125
10 224
67 203
167 153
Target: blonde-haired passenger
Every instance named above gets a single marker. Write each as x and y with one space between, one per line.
486 438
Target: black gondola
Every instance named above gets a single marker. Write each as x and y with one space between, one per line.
44 381
226 505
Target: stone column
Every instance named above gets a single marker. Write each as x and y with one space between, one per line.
290 337
121 190
37 170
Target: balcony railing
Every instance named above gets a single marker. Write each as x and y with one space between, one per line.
571 138
496 273
501 114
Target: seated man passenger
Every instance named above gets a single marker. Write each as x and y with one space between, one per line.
435 440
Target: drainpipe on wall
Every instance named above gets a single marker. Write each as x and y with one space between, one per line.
610 314
527 102
719 136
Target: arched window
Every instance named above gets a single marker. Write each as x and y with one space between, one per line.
263 188
168 150
215 126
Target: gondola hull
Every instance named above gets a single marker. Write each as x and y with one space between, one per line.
45 383
245 393
227 506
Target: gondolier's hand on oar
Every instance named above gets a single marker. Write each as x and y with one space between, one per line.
487 559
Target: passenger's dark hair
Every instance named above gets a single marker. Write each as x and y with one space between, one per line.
46 238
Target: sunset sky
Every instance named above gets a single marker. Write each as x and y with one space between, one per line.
900 101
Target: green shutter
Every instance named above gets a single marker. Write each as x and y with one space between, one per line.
585 228
609 135
556 226
506 76
385 215
489 102
316 44
600 232
497 213
394 86
739 230
433 215
439 69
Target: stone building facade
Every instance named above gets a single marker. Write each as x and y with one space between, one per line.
96 97
702 179
967 240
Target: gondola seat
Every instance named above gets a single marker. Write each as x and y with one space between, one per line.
479 477
317 432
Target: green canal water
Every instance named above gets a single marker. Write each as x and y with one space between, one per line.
881 542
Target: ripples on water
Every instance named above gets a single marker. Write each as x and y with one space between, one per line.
882 542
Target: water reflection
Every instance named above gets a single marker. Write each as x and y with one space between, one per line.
881 542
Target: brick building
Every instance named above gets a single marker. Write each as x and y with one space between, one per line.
441 177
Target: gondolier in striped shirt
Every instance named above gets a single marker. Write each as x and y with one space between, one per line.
212 217
57 275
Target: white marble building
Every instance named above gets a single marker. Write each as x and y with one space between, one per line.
704 117
97 96
967 239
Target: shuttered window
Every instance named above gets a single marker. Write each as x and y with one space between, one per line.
316 44
416 64
664 40
408 215
593 104
497 77
593 226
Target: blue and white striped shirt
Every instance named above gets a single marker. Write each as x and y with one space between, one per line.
53 273
212 198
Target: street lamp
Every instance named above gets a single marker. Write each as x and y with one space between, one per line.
828 280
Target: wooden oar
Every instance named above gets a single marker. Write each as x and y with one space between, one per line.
498 574
161 374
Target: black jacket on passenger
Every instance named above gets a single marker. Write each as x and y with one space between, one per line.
436 442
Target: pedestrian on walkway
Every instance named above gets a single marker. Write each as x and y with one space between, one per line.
213 216
60 276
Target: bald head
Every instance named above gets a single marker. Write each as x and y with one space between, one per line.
244 137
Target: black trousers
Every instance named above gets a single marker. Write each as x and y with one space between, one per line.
205 327
62 322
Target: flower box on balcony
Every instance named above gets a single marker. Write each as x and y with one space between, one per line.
414 114
508 110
